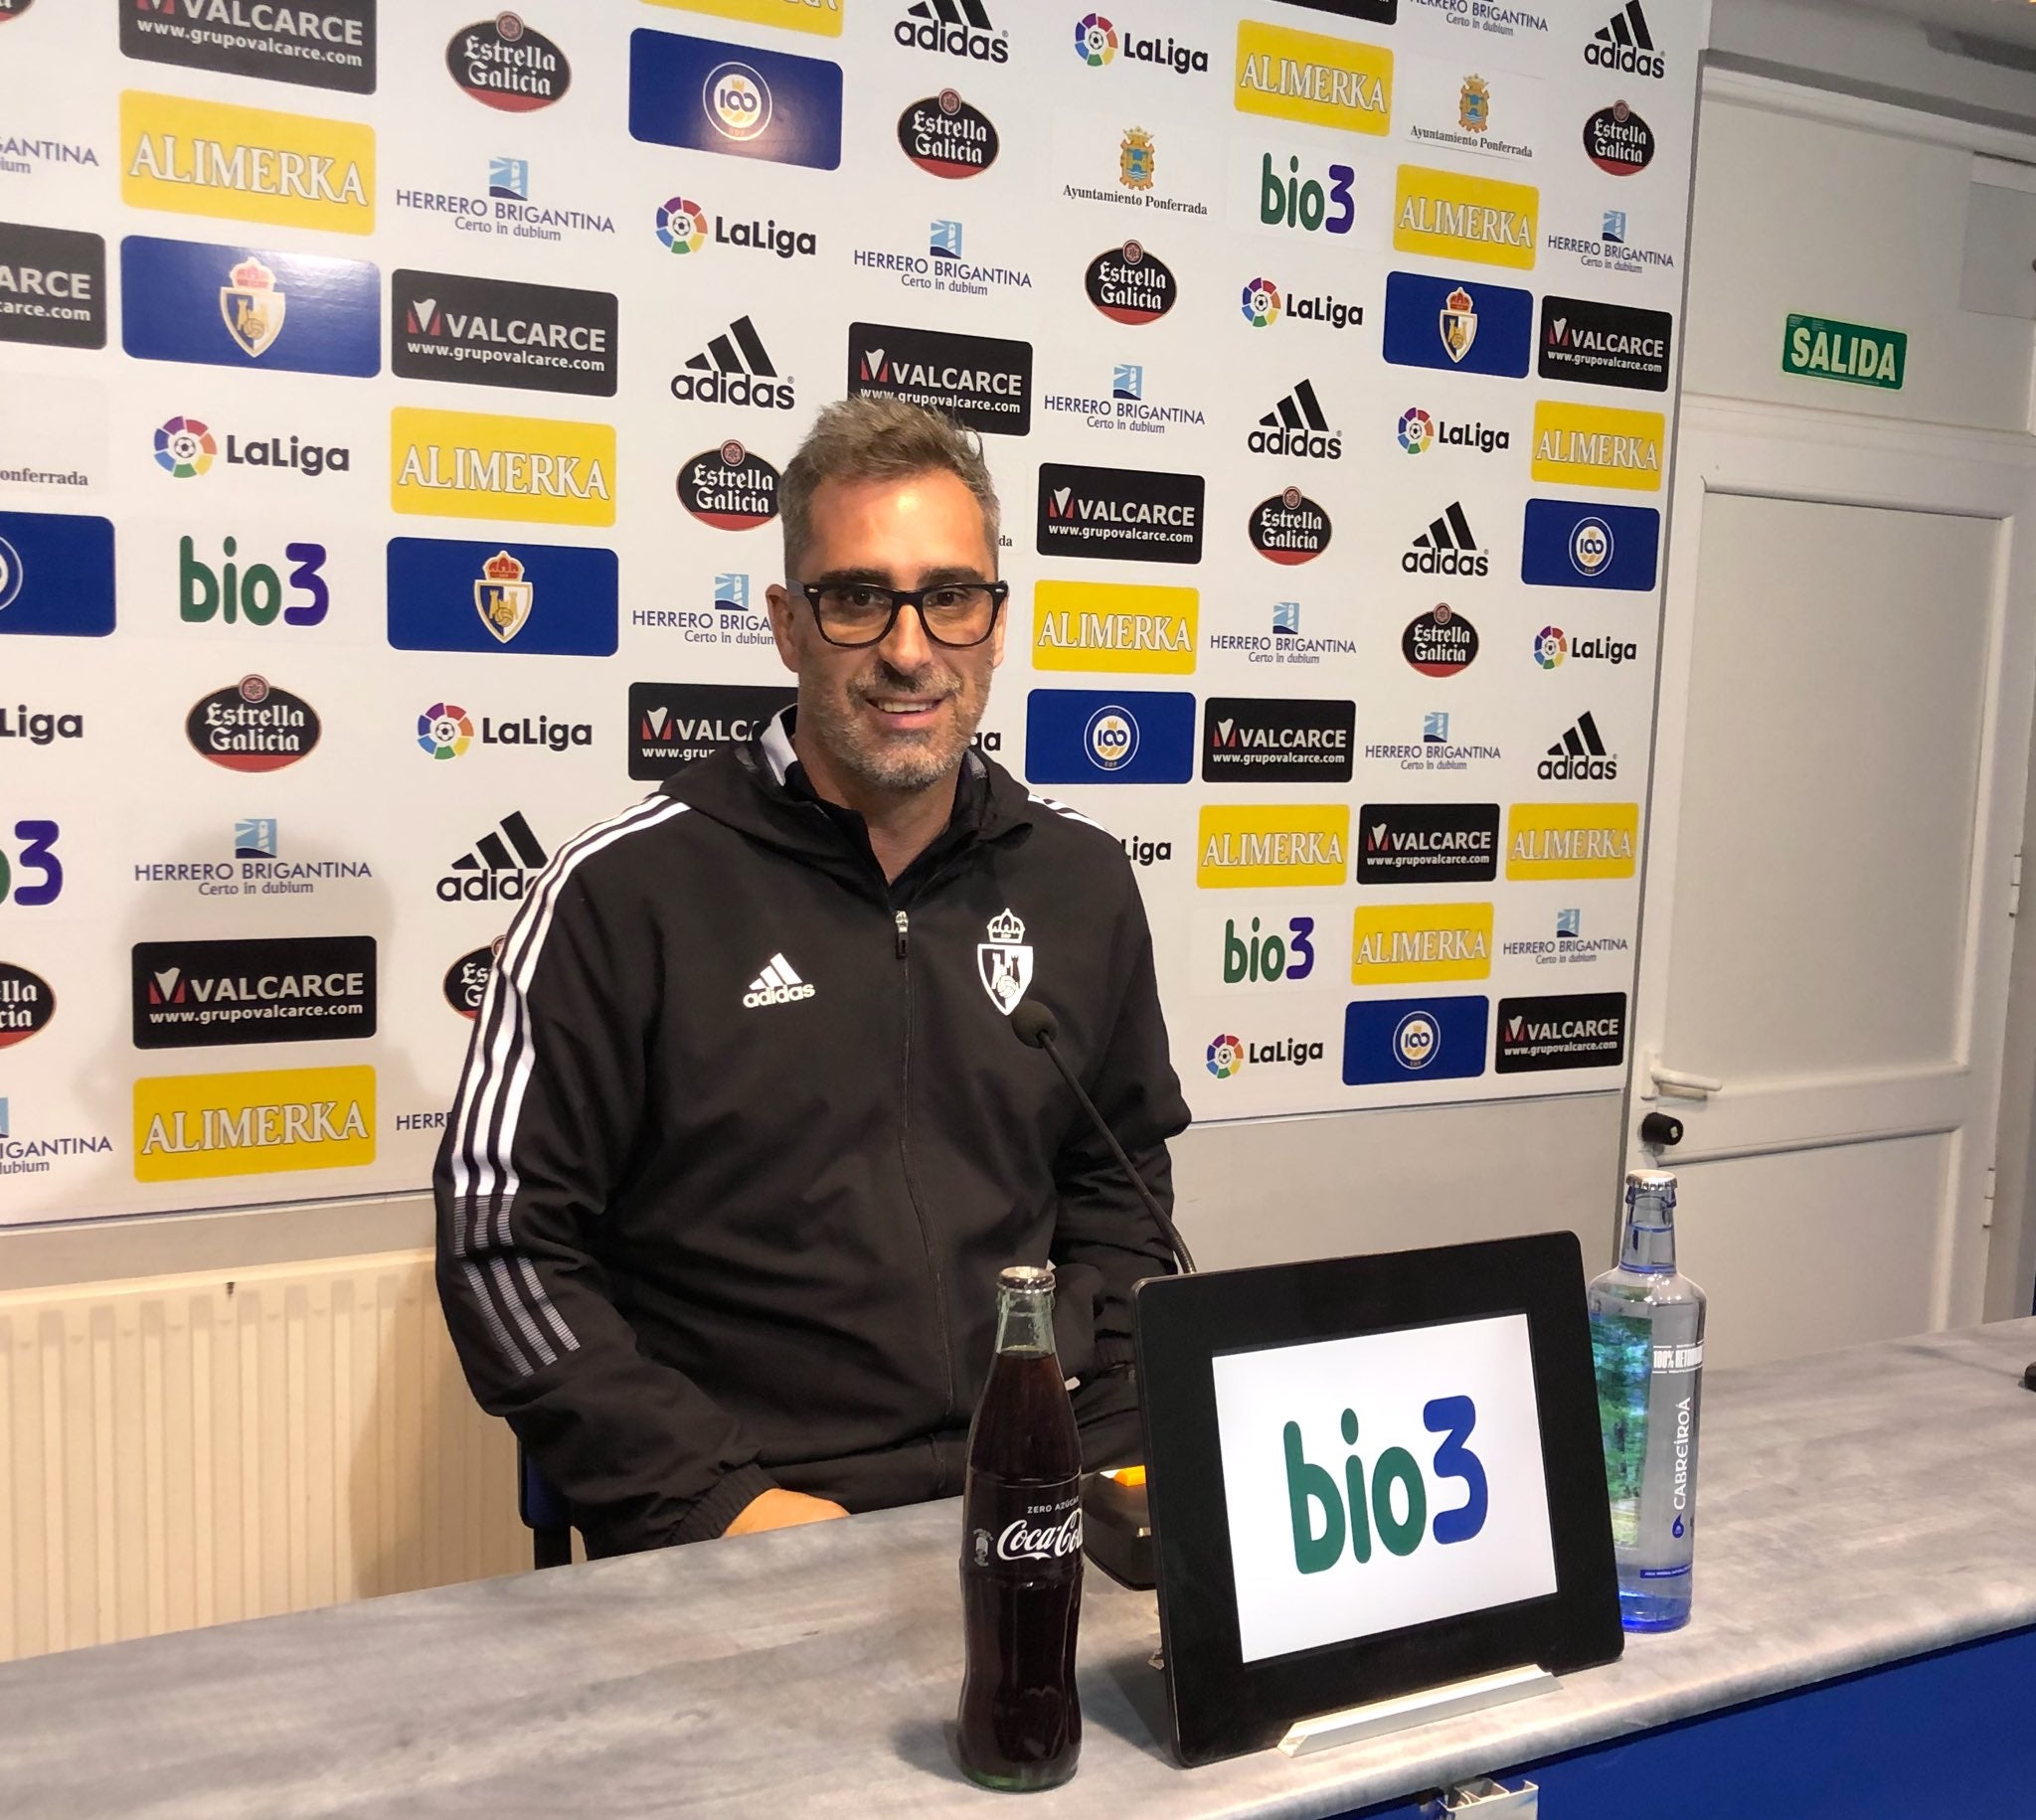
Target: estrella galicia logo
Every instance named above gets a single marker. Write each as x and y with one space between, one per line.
252 726
26 1004
738 99
53 285
730 488
466 981
1567 1030
1457 326
1428 843
278 989
534 599
56 574
1567 544
329 45
486 332
1605 344
1277 739
982 383
505 63
1122 514
1440 642
673 723
1389 1041
1618 141
1289 528
1131 283
1094 736
236 306
946 136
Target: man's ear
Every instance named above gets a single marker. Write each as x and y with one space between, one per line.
783 613
997 632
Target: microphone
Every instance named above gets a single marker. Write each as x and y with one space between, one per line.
1036 1026
1116 1518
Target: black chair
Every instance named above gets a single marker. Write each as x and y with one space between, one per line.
545 1512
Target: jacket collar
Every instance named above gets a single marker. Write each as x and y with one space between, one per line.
758 788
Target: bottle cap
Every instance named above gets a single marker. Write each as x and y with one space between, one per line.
1650 1181
1026 1276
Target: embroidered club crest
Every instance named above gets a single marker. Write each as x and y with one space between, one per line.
502 597
251 306
1004 962
1459 318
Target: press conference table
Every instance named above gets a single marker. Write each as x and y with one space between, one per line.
1860 1511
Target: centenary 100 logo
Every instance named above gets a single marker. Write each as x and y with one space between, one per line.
681 225
1096 40
444 730
1260 303
184 447
737 101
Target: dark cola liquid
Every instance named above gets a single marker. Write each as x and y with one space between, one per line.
1020 1722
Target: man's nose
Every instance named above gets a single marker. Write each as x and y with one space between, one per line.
906 648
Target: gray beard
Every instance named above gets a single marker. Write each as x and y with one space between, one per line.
900 769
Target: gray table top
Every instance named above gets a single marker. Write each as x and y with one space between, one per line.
1858 1507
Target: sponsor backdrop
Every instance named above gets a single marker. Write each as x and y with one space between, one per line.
392 400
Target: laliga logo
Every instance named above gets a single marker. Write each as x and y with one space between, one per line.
1096 40
1550 646
738 101
184 447
1260 303
1111 738
681 225
1225 1057
1417 431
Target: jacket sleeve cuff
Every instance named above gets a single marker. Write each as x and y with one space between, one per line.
723 1504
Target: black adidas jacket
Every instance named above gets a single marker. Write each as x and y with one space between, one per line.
743 1138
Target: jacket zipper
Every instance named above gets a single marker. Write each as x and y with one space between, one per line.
903 923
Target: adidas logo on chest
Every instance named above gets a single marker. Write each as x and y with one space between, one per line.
778 984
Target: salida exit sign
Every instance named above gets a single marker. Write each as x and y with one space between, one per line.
1814 346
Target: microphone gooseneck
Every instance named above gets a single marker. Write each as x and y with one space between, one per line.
1036 1026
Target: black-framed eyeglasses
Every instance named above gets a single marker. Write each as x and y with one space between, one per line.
956 613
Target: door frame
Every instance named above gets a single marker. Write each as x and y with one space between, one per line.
1738 446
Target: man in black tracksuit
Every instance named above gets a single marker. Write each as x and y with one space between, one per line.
744 1136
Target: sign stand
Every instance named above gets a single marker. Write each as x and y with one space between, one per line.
1326 1730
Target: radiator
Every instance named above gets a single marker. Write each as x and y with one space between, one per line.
184 1450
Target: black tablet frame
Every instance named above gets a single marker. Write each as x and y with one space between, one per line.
1222 1704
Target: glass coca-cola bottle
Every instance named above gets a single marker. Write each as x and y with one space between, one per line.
1020 1722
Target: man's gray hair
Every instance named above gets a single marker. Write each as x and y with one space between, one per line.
878 439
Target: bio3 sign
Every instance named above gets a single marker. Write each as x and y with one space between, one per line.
1383 1480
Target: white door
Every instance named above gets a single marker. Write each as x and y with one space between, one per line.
1840 759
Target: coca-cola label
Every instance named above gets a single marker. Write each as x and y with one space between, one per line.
1010 1525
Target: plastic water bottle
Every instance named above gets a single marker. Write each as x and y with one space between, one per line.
1647 1343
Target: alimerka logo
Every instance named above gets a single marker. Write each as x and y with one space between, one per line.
1572 840
245 163
465 464
1594 445
1273 845
1444 214
1306 76
1113 626
188 1127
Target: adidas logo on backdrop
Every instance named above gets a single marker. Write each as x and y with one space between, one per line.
1578 756
1624 42
778 984
1448 547
1296 427
734 369
500 867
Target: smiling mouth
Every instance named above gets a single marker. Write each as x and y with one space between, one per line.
904 709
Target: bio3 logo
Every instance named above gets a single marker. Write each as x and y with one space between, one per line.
1295 201
34 858
1268 958
1389 1503
232 592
